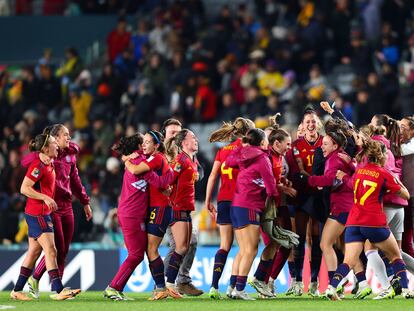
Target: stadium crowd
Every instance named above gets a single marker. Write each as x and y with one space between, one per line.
177 62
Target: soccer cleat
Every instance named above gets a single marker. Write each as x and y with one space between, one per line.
407 294
242 295
388 293
363 292
271 286
19 296
261 287
395 283
159 294
331 293
229 292
126 298
340 290
189 289
113 294
313 289
298 289
66 293
290 290
214 293
33 287
173 292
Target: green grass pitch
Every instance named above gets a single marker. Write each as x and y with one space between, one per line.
95 301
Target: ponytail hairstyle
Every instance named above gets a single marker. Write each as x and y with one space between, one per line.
232 130
53 130
39 142
276 132
175 145
392 132
157 138
334 124
368 130
338 137
128 144
254 137
375 152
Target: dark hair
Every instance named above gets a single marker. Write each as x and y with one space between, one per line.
128 144
375 152
169 122
308 110
232 130
276 132
53 130
179 138
40 141
254 137
338 137
392 132
410 122
334 124
157 138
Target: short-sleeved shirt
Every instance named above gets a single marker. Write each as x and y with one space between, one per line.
186 174
228 175
302 149
44 178
371 182
159 164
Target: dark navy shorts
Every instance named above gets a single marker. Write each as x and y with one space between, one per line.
292 211
360 234
38 225
184 216
223 213
158 220
341 218
241 217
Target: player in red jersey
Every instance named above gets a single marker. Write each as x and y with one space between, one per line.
68 184
279 143
367 220
39 187
159 217
303 150
182 199
228 176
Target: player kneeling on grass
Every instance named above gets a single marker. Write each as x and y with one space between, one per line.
367 220
39 205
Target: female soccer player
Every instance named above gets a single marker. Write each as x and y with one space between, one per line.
39 187
228 176
255 177
159 217
68 182
132 212
303 150
182 199
367 220
279 144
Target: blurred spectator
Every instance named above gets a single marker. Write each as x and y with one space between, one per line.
80 101
271 80
110 184
205 104
158 36
139 38
118 39
229 109
4 8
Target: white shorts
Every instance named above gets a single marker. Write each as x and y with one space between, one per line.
395 219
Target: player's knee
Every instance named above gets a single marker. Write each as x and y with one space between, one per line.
181 249
33 254
50 251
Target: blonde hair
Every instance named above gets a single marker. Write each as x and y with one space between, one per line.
374 151
232 130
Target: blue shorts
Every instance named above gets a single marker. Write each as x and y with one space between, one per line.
184 216
241 217
292 211
341 218
223 213
158 220
360 234
38 225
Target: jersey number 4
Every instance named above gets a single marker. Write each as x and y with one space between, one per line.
372 186
227 171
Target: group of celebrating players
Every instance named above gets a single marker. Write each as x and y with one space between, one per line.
340 192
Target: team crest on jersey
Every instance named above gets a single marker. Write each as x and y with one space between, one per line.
35 173
67 158
259 182
295 151
177 167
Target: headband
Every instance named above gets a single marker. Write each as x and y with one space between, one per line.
155 137
44 143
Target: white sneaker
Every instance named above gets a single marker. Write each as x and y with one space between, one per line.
388 293
242 295
271 286
229 292
291 289
407 294
313 289
331 293
298 289
261 287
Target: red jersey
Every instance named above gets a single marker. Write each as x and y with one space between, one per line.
370 183
277 165
302 149
228 175
44 178
186 174
159 164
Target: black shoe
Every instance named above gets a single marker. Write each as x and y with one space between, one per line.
395 283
